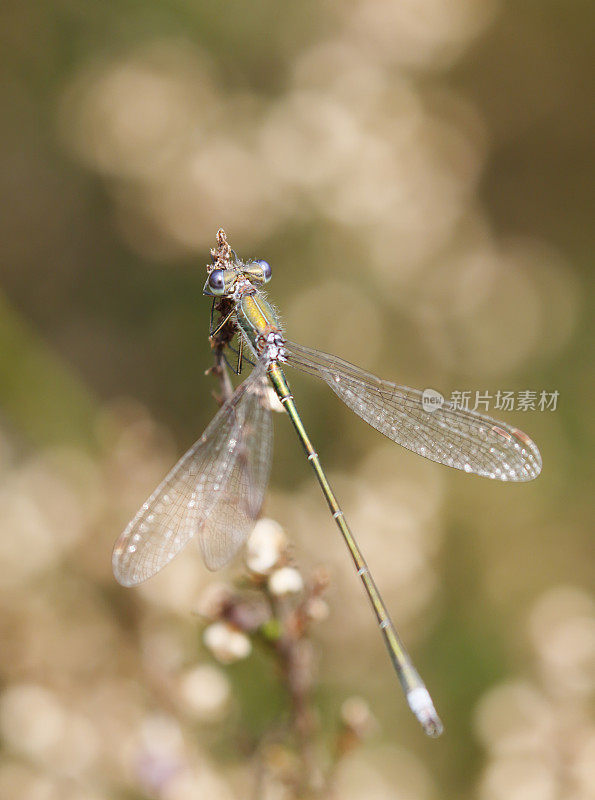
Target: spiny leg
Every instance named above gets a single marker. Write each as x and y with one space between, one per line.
240 357
227 361
222 324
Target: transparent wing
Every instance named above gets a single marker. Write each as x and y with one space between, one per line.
232 518
228 461
455 437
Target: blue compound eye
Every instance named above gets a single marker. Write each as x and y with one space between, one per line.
216 281
266 269
257 271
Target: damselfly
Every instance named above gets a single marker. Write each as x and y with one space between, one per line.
215 492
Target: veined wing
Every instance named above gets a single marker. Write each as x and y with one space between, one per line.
458 438
193 498
232 518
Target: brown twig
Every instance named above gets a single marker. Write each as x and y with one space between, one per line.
223 258
295 658
222 255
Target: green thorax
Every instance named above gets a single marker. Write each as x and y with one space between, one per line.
256 319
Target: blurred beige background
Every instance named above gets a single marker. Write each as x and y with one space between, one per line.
418 174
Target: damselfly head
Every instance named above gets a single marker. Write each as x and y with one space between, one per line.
228 274
221 282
